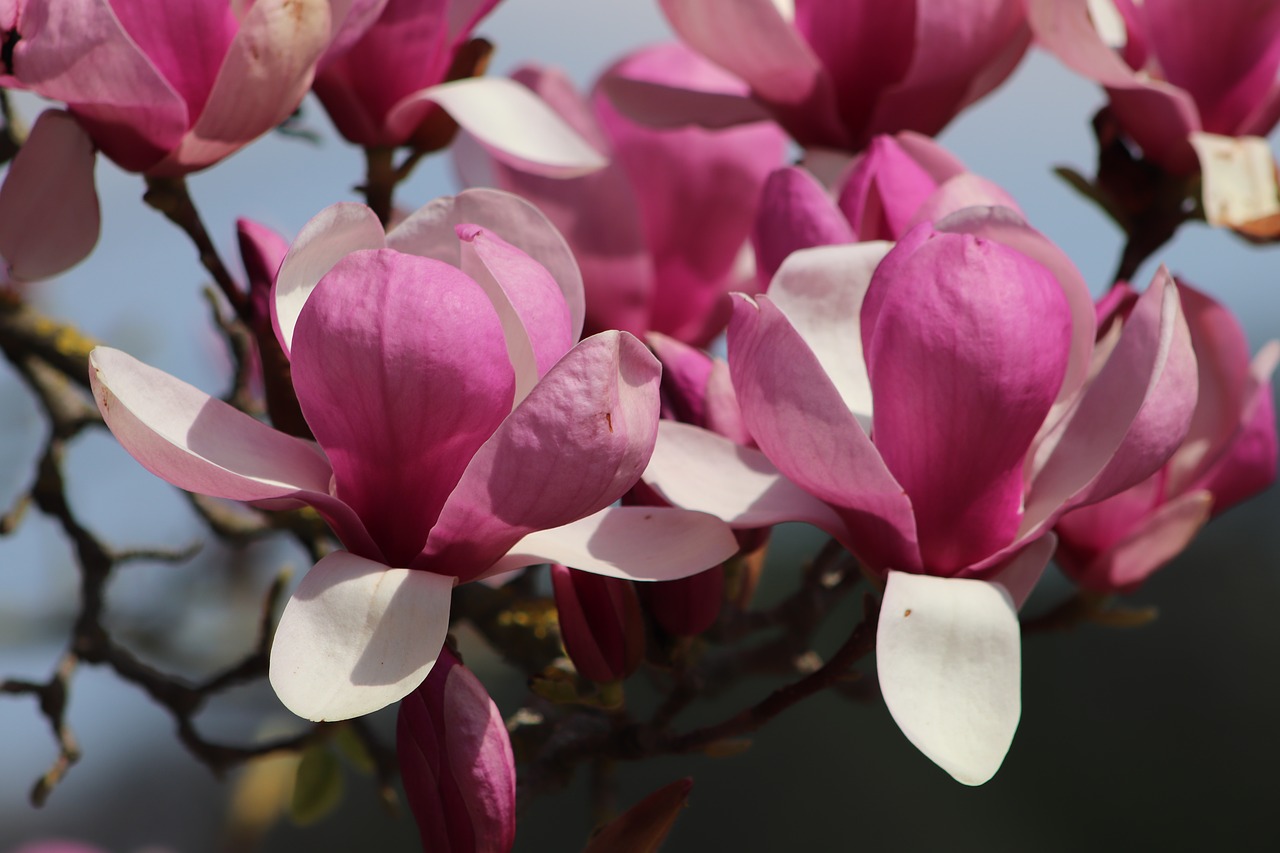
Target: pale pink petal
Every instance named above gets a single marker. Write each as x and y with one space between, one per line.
78 52
795 212
203 445
1162 536
350 20
49 216
697 469
431 231
1249 464
639 543
1065 29
572 447
724 414
327 238
1019 574
803 425
963 327
667 106
535 318
940 163
402 372
949 661
356 636
264 76
511 122
962 191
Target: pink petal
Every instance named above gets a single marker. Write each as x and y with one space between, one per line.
201 444
884 191
402 373
667 106
940 163
535 318
327 238
351 19
49 216
949 661
511 122
795 212
1249 464
700 470
356 636
960 192
820 291
267 70
78 52
798 418
572 447
1019 574
639 543
963 328
431 231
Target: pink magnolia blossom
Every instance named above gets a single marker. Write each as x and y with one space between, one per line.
601 623
836 74
49 214
897 183
168 87
456 762
460 432
1228 455
660 232
1172 68
933 406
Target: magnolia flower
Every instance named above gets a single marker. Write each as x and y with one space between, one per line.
459 433
1172 68
49 216
660 232
171 87
835 74
932 406
898 182
456 762
1229 455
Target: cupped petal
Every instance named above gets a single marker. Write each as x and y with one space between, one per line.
431 231
327 238
803 425
512 123
402 372
79 52
264 76
49 215
573 446
535 318
638 543
1020 573
963 328
949 661
884 191
795 212
1248 464
699 470
356 636
820 292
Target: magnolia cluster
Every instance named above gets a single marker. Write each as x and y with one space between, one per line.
911 366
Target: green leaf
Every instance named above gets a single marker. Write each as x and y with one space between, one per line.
318 786
354 750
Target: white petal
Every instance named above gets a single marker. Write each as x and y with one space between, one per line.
639 543
513 123
948 653
357 636
327 238
1238 178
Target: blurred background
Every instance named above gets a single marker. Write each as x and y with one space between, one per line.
1161 737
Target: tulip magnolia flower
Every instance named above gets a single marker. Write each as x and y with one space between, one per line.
897 183
836 74
1172 68
49 215
168 87
934 408
459 433
1229 455
456 762
660 233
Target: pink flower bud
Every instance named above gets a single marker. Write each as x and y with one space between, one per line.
600 623
456 763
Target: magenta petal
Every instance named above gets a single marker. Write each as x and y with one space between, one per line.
573 446
969 350
1249 463
884 191
431 231
803 425
795 212
49 216
535 318
402 373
